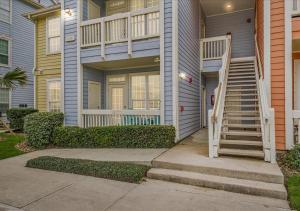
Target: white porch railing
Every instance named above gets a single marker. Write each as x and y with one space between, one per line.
99 118
215 116
266 112
123 27
296 118
212 47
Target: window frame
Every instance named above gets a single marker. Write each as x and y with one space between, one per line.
10 14
9 40
147 98
48 38
48 81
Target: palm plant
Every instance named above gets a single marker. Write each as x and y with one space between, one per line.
13 78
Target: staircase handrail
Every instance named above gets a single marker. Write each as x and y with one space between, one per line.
215 116
266 112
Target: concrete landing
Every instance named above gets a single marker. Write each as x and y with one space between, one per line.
192 156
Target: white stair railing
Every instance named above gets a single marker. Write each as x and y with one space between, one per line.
266 112
215 116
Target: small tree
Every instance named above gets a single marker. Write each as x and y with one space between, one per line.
13 78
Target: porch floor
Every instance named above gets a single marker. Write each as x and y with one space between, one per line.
193 152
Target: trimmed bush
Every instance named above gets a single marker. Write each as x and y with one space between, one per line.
115 137
292 158
16 117
39 127
121 171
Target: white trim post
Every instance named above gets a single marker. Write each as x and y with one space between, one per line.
267 49
288 76
175 77
62 46
79 67
162 62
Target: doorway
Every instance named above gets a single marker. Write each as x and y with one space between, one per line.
94 95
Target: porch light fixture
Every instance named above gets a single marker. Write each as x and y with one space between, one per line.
228 7
68 12
184 76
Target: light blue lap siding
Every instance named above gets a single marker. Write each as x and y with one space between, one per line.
242 31
168 62
70 66
189 93
119 51
212 65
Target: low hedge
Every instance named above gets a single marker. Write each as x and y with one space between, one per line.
121 171
39 127
115 137
292 158
16 117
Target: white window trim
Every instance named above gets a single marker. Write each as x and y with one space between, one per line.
47 90
10 14
47 37
2 37
147 74
88 8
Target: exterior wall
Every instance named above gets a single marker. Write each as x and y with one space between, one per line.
119 51
189 63
278 70
47 65
168 105
260 28
242 32
71 66
212 65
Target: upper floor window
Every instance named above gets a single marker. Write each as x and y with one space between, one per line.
140 4
5 7
4 52
53 35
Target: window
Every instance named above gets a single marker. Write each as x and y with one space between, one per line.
5 6
137 5
53 92
93 10
145 91
152 3
4 52
53 35
4 100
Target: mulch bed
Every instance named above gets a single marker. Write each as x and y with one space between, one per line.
23 146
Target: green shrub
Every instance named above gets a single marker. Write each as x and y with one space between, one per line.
292 158
39 127
121 171
16 117
115 137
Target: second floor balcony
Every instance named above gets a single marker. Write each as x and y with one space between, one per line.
129 24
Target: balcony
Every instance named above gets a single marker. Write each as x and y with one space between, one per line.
130 31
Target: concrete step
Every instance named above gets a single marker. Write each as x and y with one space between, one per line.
241 133
242 153
241 143
248 126
218 182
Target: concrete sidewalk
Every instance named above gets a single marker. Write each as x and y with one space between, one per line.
40 190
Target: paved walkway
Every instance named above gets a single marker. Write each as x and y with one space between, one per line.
40 190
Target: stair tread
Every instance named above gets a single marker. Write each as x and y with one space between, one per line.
242 74
242 81
242 125
241 112
235 70
242 85
241 133
241 100
242 152
242 118
219 182
240 95
241 90
241 142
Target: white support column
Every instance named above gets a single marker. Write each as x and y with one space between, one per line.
289 128
267 48
162 62
129 36
103 38
79 67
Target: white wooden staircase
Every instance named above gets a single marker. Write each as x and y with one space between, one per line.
241 133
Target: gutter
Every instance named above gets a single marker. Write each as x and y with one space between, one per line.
43 11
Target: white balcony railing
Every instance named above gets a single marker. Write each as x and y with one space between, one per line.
213 47
99 118
123 27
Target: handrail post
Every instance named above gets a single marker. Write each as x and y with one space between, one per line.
103 38
201 55
129 35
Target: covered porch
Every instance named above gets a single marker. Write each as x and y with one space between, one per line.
121 96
